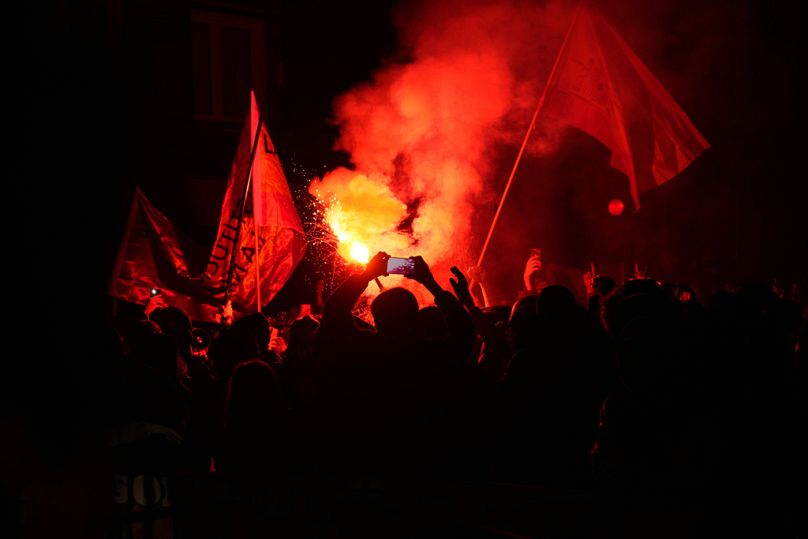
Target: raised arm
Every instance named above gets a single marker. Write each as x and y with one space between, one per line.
459 325
337 311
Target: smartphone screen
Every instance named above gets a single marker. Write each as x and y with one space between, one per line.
402 266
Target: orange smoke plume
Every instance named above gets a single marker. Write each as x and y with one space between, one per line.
422 135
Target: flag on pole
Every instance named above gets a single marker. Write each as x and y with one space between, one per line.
155 255
601 87
272 201
270 222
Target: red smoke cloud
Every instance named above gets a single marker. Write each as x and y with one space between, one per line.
421 134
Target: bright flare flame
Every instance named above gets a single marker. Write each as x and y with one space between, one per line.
360 252
363 214
348 247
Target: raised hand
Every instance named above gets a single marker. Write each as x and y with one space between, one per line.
461 287
475 275
532 267
423 275
226 313
155 302
589 283
276 342
377 266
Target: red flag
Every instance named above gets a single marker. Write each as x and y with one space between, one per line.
272 201
281 240
600 86
154 254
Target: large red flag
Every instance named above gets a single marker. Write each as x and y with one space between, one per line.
269 211
600 86
155 255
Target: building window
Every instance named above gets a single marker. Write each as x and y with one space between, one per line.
229 58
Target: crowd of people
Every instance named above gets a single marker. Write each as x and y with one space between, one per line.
677 413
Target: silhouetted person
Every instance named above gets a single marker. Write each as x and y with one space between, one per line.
150 432
198 381
550 396
255 437
393 398
658 435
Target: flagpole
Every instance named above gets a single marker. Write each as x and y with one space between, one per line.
539 106
234 255
257 261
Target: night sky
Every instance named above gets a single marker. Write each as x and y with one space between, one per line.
732 66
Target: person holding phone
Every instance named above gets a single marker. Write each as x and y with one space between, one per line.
337 310
534 275
394 311
392 394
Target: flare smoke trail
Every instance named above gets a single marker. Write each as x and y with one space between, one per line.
422 133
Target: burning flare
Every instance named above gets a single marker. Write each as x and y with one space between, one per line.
360 252
363 213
